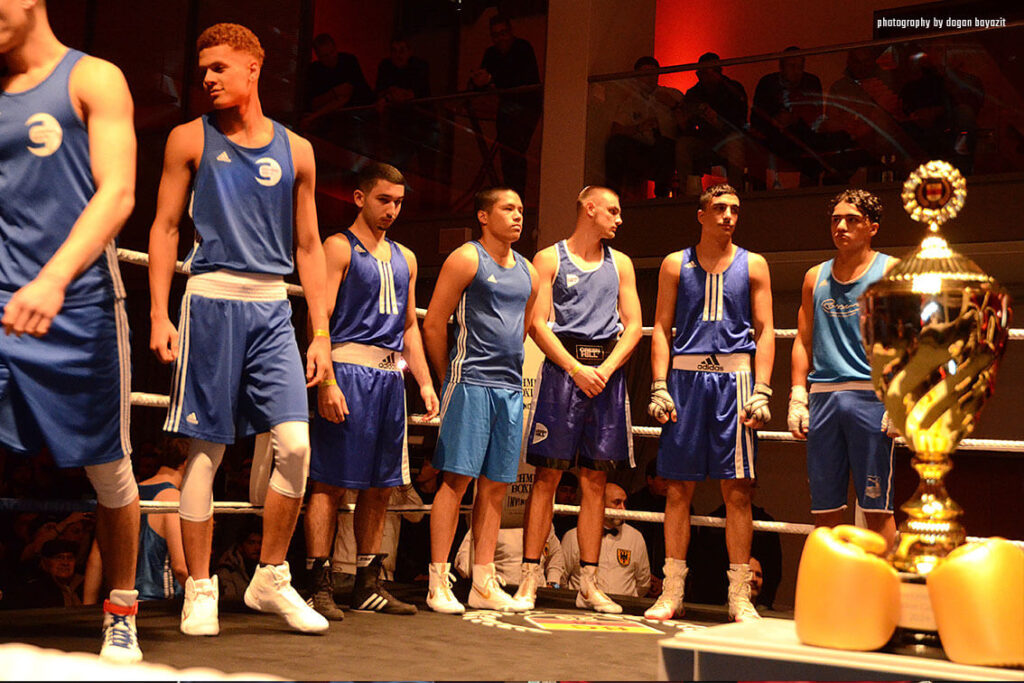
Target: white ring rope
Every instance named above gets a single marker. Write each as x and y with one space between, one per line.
140 258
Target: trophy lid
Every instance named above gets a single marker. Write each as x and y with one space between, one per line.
934 267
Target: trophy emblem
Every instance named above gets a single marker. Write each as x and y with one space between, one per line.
934 328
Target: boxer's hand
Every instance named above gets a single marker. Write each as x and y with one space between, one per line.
163 340
33 307
318 361
847 594
662 408
429 397
755 410
590 381
977 594
798 418
331 402
888 427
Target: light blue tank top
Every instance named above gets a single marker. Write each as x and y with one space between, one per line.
490 321
372 301
153 576
45 183
242 205
585 303
838 350
713 310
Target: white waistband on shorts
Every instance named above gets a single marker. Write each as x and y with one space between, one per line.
355 353
232 284
825 387
712 362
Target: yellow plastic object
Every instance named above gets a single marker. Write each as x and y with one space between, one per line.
977 594
847 596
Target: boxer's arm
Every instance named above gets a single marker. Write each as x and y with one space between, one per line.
629 314
413 352
456 274
664 315
761 313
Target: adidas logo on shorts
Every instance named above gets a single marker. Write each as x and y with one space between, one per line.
192 419
710 364
388 362
540 432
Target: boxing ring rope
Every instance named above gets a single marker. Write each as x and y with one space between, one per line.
151 400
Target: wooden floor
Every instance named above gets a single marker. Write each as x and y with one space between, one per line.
427 646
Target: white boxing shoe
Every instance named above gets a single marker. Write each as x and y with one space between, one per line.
271 591
199 611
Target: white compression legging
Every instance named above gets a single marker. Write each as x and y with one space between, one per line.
291 466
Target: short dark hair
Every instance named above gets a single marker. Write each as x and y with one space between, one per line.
234 36
651 470
867 203
375 171
499 19
646 60
485 199
568 479
323 39
716 191
172 452
708 57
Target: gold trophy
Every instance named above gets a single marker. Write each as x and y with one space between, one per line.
934 327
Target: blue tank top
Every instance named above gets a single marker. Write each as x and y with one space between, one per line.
372 301
838 350
153 576
585 303
713 309
490 321
242 205
45 183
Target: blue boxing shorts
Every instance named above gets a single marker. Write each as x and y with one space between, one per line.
708 440
69 389
481 431
369 449
238 370
567 428
845 438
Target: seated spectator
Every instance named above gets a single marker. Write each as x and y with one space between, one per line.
343 560
508 557
623 568
642 142
708 560
334 81
787 111
56 584
652 499
928 108
714 123
407 130
567 493
236 566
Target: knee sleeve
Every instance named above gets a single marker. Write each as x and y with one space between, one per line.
114 483
197 485
291 458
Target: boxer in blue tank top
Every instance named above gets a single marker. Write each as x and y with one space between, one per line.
711 389
587 322
490 289
249 185
67 185
842 419
162 572
359 431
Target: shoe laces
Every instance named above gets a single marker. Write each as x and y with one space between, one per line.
444 586
532 578
120 633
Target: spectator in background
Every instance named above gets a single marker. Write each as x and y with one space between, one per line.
625 568
335 81
652 499
567 493
402 77
236 566
715 121
787 111
508 557
642 144
56 584
928 107
510 63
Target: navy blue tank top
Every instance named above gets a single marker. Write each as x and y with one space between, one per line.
585 303
153 576
713 309
490 321
242 204
373 299
45 183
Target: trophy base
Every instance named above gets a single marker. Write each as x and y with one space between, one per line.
916 630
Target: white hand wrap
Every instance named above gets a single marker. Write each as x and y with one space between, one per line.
756 407
888 427
799 417
661 406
